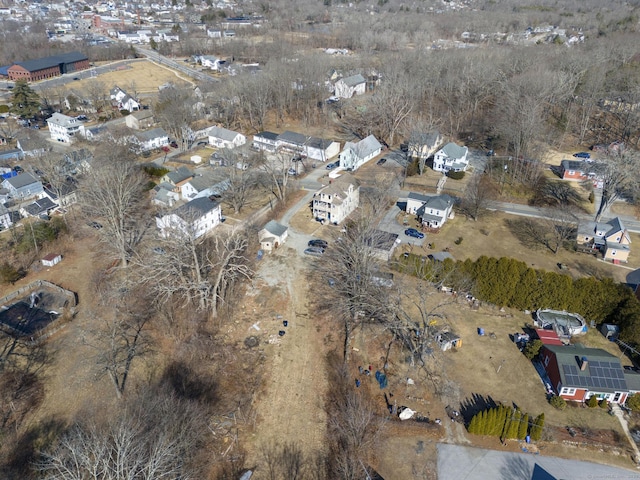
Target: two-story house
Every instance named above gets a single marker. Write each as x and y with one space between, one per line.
123 101
203 185
177 178
451 157
354 155
424 145
23 186
334 202
63 128
223 138
349 86
267 141
139 120
432 211
194 219
609 238
304 145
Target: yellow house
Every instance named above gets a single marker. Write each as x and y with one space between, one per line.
610 238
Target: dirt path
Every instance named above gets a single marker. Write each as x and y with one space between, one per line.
291 408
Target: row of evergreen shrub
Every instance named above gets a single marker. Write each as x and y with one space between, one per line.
506 422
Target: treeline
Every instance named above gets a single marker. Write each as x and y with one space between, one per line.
507 282
507 423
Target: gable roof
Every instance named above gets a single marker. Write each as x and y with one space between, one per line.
40 206
577 165
353 80
339 187
151 134
199 206
382 240
364 147
293 137
275 228
452 150
180 174
62 120
267 136
223 133
418 196
603 371
22 180
52 61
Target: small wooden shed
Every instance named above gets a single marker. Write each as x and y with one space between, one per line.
272 236
51 259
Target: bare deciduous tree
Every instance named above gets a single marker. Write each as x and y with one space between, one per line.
239 178
175 110
477 197
619 173
112 191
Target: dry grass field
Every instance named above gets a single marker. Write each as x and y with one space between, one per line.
145 75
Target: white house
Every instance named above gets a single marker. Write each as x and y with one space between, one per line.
62 127
307 146
451 157
212 62
5 217
123 101
354 155
165 195
432 211
272 235
349 86
337 200
150 139
224 138
195 218
203 185
267 141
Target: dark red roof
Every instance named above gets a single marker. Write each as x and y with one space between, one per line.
548 337
51 256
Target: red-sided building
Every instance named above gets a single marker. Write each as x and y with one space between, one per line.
43 68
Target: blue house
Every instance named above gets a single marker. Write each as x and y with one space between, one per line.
23 186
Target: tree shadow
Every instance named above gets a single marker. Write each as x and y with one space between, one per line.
527 231
188 384
23 453
477 403
518 468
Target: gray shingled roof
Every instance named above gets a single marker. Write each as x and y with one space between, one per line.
452 150
151 134
293 137
62 120
578 165
364 147
179 175
200 206
53 61
223 133
22 180
275 228
354 80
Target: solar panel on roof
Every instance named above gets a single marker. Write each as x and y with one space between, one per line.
609 382
583 381
594 363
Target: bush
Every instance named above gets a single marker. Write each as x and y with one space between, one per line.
455 175
592 402
155 171
532 349
604 404
592 197
4 108
458 241
10 274
558 402
124 112
633 402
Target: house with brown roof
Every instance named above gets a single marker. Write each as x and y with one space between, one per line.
335 202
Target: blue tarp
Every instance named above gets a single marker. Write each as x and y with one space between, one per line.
381 378
9 174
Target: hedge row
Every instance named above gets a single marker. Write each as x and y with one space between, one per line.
506 422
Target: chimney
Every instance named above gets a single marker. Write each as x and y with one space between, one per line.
584 363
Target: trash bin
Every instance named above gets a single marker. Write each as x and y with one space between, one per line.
480 331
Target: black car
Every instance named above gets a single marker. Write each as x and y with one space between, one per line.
318 243
382 161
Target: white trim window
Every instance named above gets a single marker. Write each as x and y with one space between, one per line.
568 391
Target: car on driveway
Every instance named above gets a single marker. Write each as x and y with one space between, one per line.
583 155
316 242
412 232
292 172
314 251
95 225
382 161
331 166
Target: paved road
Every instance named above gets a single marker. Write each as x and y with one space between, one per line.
179 66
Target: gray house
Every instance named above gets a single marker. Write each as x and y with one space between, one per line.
23 186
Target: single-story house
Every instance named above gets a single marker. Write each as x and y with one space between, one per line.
223 138
195 218
203 185
451 157
432 210
578 373
51 259
177 177
336 201
272 235
579 170
610 238
349 86
211 61
41 207
354 155
383 244
32 147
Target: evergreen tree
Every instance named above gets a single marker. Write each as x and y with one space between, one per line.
524 427
473 425
514 425
503 415
483 423
25 102
536 428
491 421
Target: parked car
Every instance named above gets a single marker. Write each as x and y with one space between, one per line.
491 153
314 251
292 172
95 225
165 149
412 232
584 155
18 169
382 161
174 144
316 242
331 166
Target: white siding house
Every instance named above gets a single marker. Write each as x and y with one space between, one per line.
150 139
337 200
354 155
349 86
62 127
451 157
223 138
432 211
195 218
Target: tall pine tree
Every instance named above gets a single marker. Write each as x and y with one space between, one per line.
25 102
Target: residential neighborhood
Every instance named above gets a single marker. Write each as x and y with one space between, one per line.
329 241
